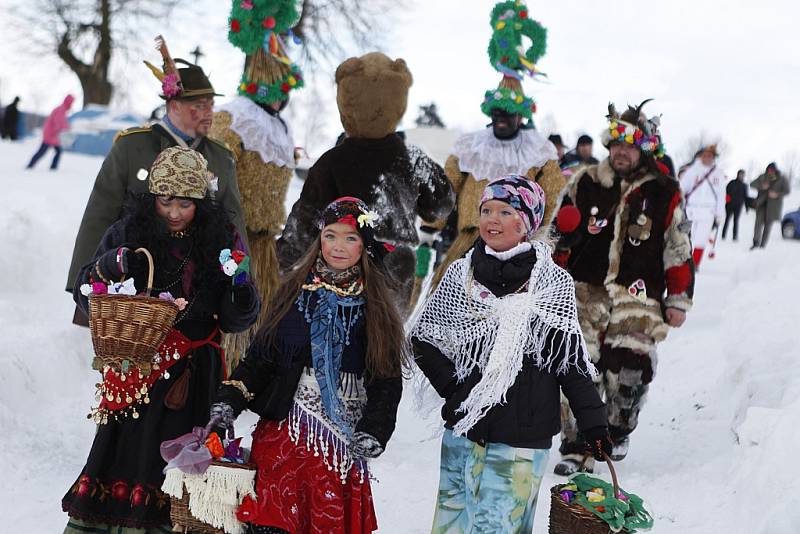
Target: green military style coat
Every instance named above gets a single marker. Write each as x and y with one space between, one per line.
135 150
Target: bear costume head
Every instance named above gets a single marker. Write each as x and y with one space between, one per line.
372 94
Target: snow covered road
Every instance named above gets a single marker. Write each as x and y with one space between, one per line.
714 450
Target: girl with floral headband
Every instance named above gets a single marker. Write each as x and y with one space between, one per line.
499 340
324 373
185 230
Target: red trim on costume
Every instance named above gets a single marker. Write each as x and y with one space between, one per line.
679 279
697 256
560 257
676 200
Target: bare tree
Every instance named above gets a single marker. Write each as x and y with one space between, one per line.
85 34
790 165
695 143
325 26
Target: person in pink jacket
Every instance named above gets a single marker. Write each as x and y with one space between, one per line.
51 134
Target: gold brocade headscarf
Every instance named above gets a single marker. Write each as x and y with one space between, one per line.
180 172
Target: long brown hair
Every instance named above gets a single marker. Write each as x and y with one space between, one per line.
387 354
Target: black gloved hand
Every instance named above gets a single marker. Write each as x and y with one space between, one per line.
243 295
365 446
223 413
598 442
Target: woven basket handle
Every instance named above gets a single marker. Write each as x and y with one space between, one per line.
614 480
150 266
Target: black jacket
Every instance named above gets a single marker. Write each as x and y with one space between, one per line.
271 372
736 190
531 415
399 182
215 303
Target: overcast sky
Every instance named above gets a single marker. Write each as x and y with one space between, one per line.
730 69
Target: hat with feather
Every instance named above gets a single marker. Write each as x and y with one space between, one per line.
185 83
634 128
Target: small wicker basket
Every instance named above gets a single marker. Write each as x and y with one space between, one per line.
183 520
128 327
575 519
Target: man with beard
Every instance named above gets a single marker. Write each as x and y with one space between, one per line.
509 146
190 105
625 241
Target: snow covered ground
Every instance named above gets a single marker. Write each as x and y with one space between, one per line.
715 450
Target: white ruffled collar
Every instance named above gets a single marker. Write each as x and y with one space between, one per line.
487 157
510 253
261 132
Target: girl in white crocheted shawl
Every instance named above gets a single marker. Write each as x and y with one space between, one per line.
499 340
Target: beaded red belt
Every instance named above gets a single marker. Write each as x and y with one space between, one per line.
123 389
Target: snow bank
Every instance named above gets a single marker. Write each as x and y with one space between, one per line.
713 450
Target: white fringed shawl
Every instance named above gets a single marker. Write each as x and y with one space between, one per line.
472 327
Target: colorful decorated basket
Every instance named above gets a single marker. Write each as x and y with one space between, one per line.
207 479
128 329
181 508
589 505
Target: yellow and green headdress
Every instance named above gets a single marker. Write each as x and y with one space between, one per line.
260 28
511 22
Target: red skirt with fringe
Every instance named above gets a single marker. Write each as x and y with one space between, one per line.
295 490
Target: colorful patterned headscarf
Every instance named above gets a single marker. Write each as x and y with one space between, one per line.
524 195
356 213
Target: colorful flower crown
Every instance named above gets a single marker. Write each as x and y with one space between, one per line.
625 132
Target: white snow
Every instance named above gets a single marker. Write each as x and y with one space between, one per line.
715 450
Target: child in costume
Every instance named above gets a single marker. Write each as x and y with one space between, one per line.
326 396
499 340
185 231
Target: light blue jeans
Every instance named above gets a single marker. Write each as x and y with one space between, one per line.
487 489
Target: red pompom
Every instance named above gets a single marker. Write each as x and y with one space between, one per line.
285 87
523 14
533 107
252 88
504 59
235 26
269 22
568 219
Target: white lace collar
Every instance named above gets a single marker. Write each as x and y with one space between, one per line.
487 157
261 132
510 253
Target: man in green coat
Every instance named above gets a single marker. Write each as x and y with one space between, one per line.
772 186
126 168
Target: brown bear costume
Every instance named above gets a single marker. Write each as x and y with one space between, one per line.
372 163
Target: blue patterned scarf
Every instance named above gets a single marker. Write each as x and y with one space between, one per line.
337 308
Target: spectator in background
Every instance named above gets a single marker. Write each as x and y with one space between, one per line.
735 200
10 128
51 134
702 184
558 143
772 186
582 155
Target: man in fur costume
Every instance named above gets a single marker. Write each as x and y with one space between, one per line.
625 240
508 146
374 164
260 140
190 102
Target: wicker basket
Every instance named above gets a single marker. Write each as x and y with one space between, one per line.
183 520
128 327
575 519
